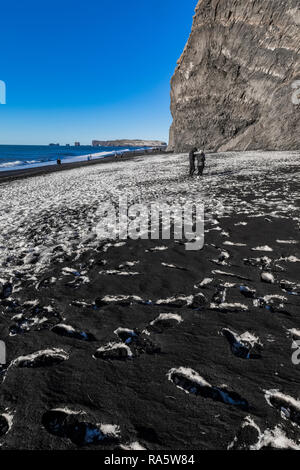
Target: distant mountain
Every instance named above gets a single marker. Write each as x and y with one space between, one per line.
237 83
128 143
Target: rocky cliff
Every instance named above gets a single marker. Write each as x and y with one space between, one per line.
235 86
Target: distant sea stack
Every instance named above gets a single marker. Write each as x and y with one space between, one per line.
235 86
128 143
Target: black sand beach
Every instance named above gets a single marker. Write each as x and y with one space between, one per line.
147 345
11 175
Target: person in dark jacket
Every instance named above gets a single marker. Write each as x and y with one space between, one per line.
192 156
200 162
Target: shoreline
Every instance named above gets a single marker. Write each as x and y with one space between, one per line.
11 175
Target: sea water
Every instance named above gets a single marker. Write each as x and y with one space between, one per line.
16 157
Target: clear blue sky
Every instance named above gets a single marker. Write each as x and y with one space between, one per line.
79 70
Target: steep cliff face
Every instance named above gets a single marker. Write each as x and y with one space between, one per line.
232 88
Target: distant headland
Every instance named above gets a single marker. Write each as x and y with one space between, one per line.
128 143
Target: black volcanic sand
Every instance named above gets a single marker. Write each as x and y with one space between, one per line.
135 393
11 175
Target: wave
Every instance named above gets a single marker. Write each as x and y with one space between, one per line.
7 164
67 157
23 162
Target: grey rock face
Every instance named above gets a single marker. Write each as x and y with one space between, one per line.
233 86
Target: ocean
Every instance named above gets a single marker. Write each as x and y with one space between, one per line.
15 157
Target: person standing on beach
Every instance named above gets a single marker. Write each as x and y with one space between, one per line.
201 162
192 160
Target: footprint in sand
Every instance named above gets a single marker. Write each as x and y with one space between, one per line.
288 407
242 346
70 332
292 288
125 300
114 351
248 292
250 437
138 340
72 425
196 301
45 358
5 423
133 343
191 382
274 303
164 321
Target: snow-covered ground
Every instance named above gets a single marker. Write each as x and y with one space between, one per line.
39 214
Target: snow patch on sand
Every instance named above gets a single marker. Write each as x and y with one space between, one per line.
262 248
168 316
30 359
189 374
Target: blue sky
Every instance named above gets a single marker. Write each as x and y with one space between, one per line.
79 70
